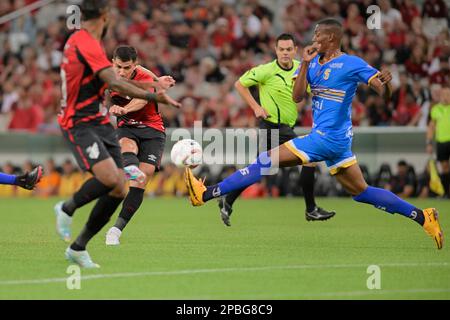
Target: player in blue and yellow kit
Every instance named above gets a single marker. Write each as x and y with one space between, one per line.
333 77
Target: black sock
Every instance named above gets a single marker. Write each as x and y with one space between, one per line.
211 193
90 190
130 205
100 215
445 178
129 158
419 217
307 183
232 196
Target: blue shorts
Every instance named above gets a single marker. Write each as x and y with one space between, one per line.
315 147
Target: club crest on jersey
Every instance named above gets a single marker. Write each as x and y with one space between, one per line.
326 74
93 151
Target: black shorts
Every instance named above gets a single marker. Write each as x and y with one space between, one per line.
91 144
272 135
149 141
443 151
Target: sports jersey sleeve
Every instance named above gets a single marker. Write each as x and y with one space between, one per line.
94 55
254 76
362 71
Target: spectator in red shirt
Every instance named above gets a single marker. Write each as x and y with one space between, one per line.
27 115
409 11
408 113
442 76
222 34
416 65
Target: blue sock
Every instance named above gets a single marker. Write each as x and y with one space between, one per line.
241 178
7 179
387 201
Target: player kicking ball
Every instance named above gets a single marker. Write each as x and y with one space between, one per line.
333 77
26 181
85 74
141 136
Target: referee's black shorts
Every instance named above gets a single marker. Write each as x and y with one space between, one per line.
443 151
272 135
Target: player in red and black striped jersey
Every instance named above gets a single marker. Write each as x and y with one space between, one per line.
85 73
141 135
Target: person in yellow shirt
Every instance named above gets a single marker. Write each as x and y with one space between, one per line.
71 179
439 129
50 181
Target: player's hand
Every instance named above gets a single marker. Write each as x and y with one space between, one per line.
166 82
310 52
164 98
385 76
117 111
261 113
429 149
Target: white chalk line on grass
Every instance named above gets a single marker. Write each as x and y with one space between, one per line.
316 295
219 270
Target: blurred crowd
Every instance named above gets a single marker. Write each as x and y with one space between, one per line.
207 45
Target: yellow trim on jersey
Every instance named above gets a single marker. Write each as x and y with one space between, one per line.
342 165
334 92
330 97
373 77
303 156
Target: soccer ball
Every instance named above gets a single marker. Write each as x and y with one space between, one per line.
187 152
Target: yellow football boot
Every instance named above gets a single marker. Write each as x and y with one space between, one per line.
195 187
432 227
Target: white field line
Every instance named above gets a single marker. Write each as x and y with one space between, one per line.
220 270
316 295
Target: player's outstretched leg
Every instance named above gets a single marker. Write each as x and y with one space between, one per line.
352 180
199 193
312 212
226 205
89 191
130 205
26 181
99 217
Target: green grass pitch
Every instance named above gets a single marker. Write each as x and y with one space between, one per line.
174 251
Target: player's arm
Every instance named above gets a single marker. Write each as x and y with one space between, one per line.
301 83
246 95
125 88
134 89
381 84
133 106
160 83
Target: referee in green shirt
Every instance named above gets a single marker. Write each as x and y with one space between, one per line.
439 128
277 112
